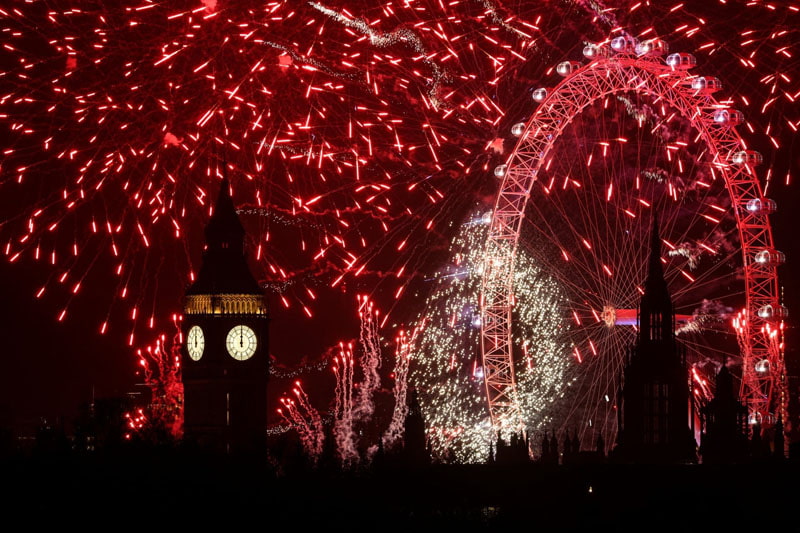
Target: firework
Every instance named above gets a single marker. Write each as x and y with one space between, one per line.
343 124
404 344
160 364
337 135
343 411
447 360
370 360
356 134
303 417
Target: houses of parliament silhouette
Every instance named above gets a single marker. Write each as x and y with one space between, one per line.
656 406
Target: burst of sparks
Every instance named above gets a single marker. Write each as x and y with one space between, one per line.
351 131
343 124
447 353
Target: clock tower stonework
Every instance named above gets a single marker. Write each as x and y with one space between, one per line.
225 359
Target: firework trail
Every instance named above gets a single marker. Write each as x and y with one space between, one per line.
314 421
370 360
292 416
306 420
350 412
402 359
343 412
288 419
709 313
384 40
162 374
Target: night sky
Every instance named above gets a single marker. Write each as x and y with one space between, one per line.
50 367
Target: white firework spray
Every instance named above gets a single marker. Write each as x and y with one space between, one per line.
370 360
343 412
447 360
404 344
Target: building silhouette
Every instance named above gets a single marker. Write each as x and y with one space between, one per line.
416 450
570 453
724 424
778 440
102 424
654 403
549 450
514 451
225 359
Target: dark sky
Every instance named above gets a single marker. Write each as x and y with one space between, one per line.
50 367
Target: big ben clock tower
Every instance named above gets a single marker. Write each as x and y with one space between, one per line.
226 358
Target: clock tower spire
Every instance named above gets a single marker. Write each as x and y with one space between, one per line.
226 357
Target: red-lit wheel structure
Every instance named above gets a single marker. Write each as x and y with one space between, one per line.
720 161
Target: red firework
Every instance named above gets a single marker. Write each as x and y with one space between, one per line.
354 132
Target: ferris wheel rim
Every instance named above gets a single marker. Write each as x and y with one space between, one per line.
606 75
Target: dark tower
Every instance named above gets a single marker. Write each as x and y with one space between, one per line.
226 357
724 437
655 410
415 448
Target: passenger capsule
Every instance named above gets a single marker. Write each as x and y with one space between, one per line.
770 258
518 129
761 206
652 48
591 51
747 157
728 117
773 312
539 95
500 171
622 44
706 84
762 366
681 61
565 68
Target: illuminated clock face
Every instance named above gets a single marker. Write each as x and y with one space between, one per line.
241 342
195 342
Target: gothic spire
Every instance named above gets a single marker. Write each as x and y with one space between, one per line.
655 271
655 313
225 269
224 225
